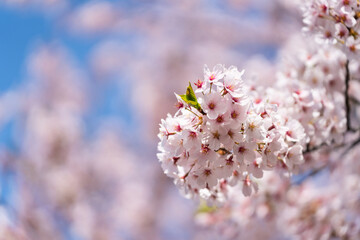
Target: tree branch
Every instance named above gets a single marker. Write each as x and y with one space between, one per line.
354 100
353 144
309 174
348 99
314 172
313 149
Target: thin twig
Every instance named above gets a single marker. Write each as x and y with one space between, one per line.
356 142
315 148
355 101
314 172
309 174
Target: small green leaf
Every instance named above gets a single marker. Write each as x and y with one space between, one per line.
190 98
190 93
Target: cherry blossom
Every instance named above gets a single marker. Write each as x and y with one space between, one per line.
230 138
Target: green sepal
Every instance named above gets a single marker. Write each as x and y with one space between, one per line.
190 98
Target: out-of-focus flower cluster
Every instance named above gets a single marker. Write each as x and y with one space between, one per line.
84 181
315 77
335 21
321 209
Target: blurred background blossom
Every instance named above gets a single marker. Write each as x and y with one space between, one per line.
83 86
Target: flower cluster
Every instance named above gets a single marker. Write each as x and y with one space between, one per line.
335 21
221 137
242 216
312 210
315 78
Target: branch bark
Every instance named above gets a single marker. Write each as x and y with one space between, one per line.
348 99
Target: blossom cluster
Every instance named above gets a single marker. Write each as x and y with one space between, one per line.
241 218
315 78
334 21
287 211
222 137
310 87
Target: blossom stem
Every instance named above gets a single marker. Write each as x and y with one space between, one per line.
192 112
187 174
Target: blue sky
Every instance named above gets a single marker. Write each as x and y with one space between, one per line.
23 30
20 30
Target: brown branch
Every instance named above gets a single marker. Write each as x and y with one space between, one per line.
354 100
348 99
314 172
353 144
309 174
315 148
